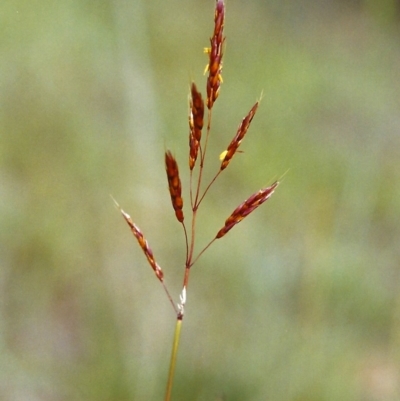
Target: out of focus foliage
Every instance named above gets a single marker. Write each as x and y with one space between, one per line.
300 302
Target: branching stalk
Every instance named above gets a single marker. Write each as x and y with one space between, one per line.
197 154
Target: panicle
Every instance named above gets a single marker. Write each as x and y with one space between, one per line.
174 183
241 132
144 245
215 53
196 121
245 208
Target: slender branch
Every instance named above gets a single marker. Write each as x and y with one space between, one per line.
192 239
202 157
169 297
186 241
208 134
208 187
201 253
190 188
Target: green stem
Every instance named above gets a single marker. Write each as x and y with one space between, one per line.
173 358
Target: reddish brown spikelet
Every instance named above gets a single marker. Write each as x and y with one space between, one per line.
215 55
241 132
144 245
174 183
196 121
245 208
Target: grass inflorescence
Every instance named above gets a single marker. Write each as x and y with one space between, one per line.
197 155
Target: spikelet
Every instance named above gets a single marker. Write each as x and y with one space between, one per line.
143 244
174 183
215 53
241 132
196 121
245 208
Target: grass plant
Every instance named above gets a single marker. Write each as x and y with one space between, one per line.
198 144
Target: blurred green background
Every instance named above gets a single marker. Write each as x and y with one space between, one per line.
300 302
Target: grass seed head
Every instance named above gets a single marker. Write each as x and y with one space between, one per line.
245 208
174 183
197 111
196 122
241 132
144 245
215 53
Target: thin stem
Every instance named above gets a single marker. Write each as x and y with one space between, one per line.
190 188
203 155
174 354
192 239
186 241
201 253
208 187
186 277
169 297
198 178
208 134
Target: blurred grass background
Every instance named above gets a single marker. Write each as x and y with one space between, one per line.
300 302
